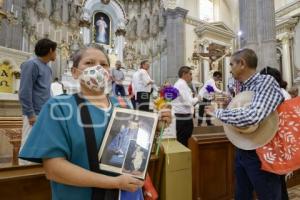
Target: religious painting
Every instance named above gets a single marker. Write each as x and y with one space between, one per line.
102 28
127 143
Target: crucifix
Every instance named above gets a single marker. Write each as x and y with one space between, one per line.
215 53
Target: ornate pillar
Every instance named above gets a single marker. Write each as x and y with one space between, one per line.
205 63
120 43
267 34
286 59
175 30
248 24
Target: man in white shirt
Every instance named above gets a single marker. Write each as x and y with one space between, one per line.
183 106
142 85
207 93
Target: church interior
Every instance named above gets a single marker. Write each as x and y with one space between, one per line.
201 34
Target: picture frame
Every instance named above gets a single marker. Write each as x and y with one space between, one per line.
127 143
101 28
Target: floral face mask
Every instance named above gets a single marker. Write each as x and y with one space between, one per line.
95 78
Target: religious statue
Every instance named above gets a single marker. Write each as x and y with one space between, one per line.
74 14
31 3
102 26
25 18
132 28
40 9
214 57
56 15
145 28
129 56
162 19
64 49
154 24
164 45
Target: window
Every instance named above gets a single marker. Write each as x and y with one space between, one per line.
206 10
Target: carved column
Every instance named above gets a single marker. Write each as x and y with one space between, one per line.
205 63
175 30
286 59
248 24
120 43
267 34
12 128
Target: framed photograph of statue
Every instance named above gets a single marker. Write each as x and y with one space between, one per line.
127 143
102 28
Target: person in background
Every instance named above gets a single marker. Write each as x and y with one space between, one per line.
208 95
183 105
294 92
142 86
35 85
57 88
118 77
278 77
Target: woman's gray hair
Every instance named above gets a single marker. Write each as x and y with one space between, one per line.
77 56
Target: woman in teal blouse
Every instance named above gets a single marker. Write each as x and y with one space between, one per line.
57 139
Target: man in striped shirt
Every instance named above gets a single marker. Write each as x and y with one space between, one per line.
267 97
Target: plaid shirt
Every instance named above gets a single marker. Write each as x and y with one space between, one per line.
267 96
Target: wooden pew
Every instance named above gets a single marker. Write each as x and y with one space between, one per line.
29 182
212 164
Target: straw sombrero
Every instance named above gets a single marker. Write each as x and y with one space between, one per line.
255 136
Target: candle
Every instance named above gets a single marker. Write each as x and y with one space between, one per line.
12 8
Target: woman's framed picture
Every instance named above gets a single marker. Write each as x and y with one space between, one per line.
127 143
102 28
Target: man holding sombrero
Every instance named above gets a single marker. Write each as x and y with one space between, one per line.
250 121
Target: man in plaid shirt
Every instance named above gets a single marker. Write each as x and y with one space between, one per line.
267 96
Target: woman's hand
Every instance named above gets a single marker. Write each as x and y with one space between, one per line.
129 183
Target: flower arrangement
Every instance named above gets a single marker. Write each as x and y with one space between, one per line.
167 94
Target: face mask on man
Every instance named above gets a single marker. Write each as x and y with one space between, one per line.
95 78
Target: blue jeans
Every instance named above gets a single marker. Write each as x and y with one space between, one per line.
250 178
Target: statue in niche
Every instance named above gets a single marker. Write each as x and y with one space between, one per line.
154 24
40 9
129 56
64 49
31 3
132 28
56 14
25 18
164 45
75 13
162 19
145 28
75 43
